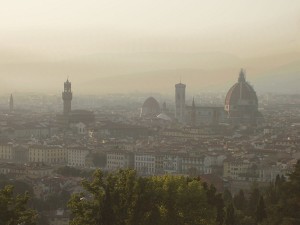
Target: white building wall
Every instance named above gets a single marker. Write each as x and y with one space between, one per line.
119 160
77 157
144 163
6 152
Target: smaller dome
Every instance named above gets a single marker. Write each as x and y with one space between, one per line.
150 107
151 103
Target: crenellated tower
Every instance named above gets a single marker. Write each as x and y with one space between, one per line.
67 97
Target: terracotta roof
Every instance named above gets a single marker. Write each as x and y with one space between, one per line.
242 90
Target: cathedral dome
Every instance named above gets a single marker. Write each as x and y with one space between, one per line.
241 94
150 107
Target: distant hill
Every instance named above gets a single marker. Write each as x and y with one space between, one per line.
149 72
284 79
211 71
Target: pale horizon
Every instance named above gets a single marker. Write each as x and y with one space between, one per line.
126 46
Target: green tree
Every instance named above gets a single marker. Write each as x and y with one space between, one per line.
114 199
253 201
290 196
261 213
230 215
215 200
14 210
240 201
227 197
220 209
123 198
283 200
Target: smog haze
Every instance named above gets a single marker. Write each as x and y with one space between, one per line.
146 46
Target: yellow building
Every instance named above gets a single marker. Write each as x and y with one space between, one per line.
51 155
236 170
6 152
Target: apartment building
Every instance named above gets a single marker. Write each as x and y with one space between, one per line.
144 163
48 154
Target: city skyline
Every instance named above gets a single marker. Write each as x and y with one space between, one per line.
146 112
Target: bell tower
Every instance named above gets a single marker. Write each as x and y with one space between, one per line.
180 102
67 97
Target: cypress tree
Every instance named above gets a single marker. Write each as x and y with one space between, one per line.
230 217
240 201
261 213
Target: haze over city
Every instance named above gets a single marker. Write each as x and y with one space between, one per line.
146 46
150 112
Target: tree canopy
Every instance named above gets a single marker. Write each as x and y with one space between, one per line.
13 210
123 198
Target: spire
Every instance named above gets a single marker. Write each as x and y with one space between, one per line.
242 77
11 103
193 116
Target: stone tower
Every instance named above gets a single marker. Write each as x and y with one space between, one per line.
180 102
67 97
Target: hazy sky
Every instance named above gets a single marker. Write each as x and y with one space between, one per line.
47 40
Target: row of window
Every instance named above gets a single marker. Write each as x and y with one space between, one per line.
115 157
114 163
33 159
144 158
5 151
198 161
5 156
144 164
48 155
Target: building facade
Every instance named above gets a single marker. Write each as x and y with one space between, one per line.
180 102
77 157
119 159
145 163
50 155
6 152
